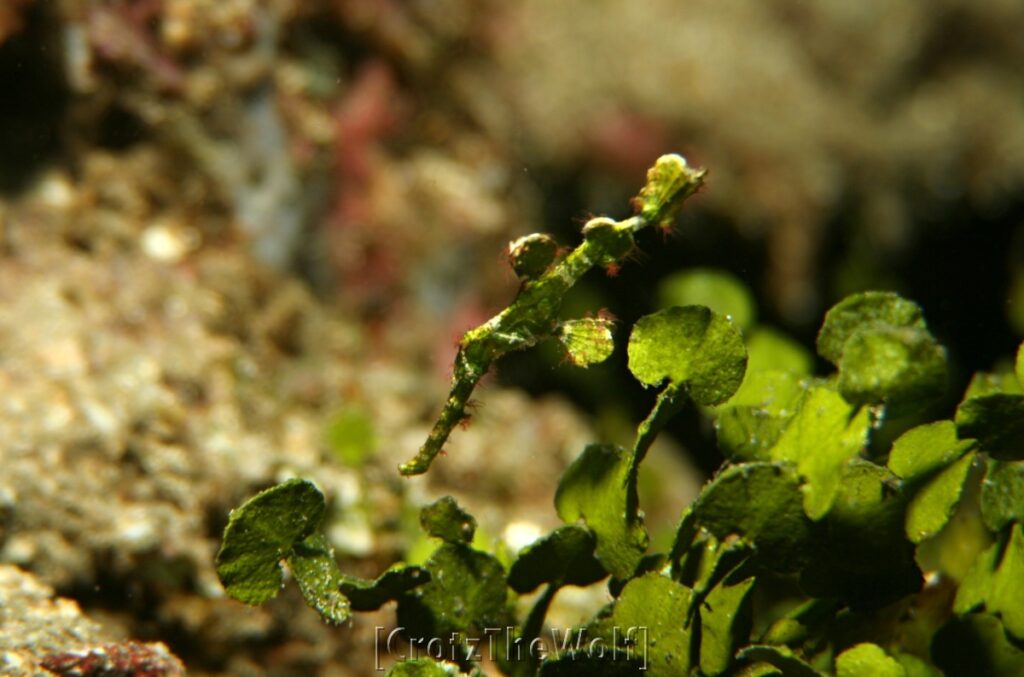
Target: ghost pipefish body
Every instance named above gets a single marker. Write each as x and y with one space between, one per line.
533 315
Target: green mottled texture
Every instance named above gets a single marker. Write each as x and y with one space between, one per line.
586 663
563 557
885 355
600 488
865 523
864 312
1020 365
718 290
594 489
669 182
977 584
914 666
994 582
690 346
686 533
781 658
466 591
371 595
609 241
997 422
531 255
533 316
823 436
725 619
761 503
710 561
751 422
319 578
770 350
1002 494
587 341
863 557
425 667
933 504
444 519
900 367
926 449
261 533
868 660
670 401
658 605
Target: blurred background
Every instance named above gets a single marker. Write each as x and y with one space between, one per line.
228 226
382 151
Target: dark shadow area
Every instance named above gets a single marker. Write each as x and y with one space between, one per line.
34 102
958 271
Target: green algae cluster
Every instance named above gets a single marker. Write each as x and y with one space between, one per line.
795 553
